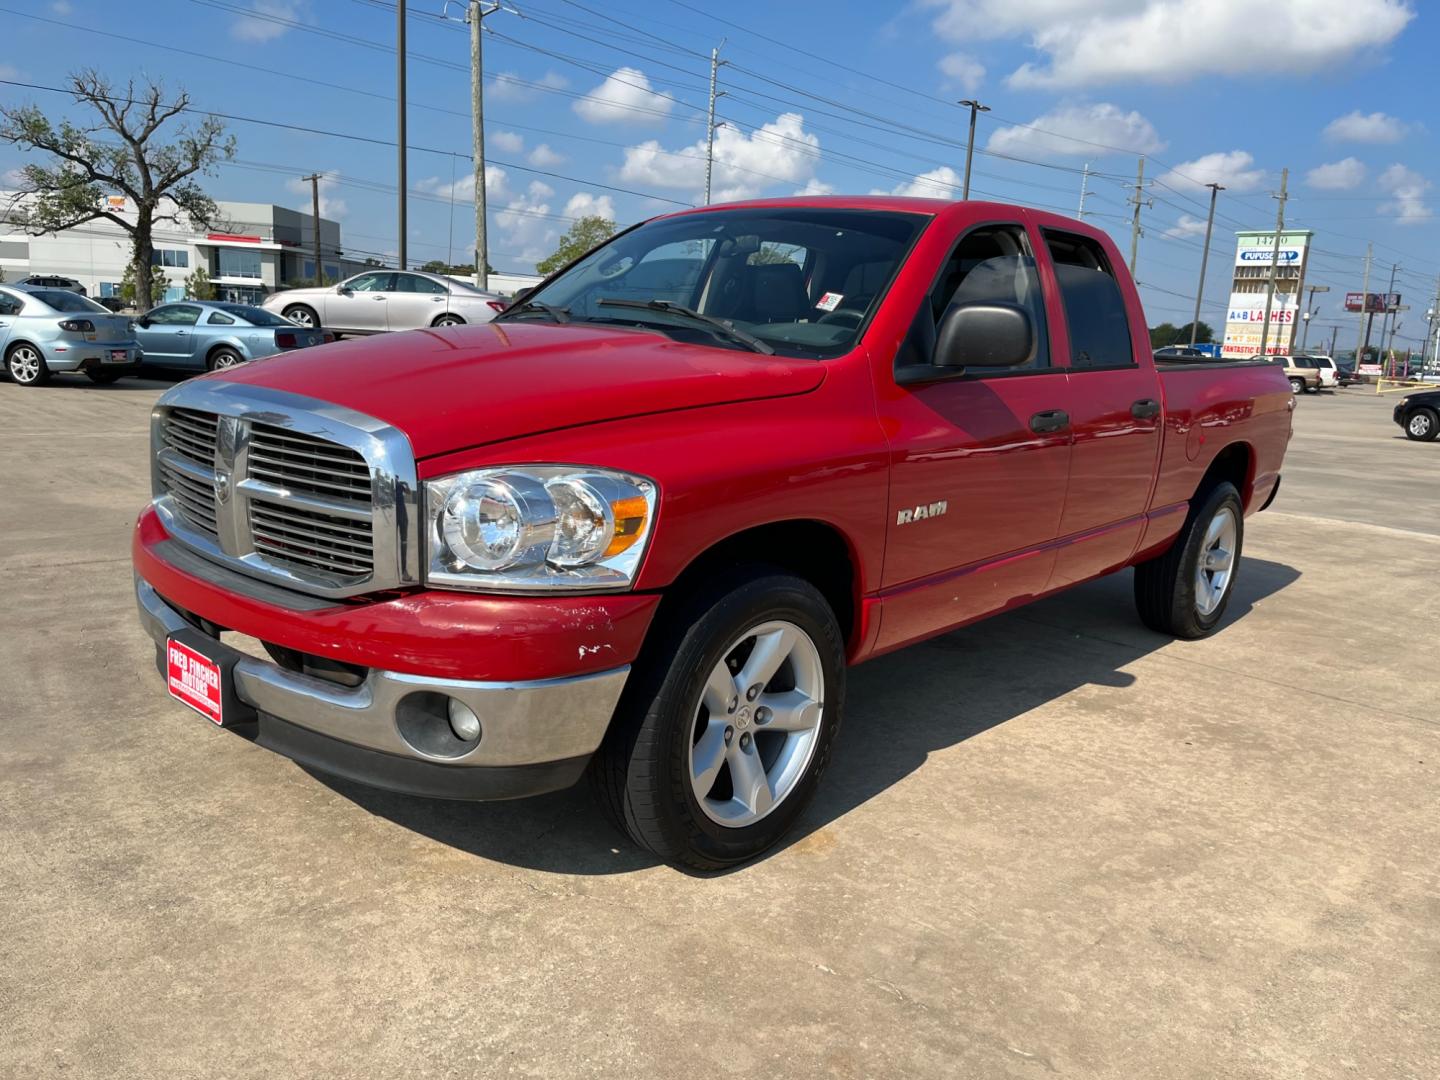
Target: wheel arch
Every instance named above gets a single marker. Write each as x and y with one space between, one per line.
450 314
225 343
1235 463
814 550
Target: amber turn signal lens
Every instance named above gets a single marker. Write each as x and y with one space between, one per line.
629 523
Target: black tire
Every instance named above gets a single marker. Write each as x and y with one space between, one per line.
303 315
25 364
1297 386
641 772
1165 586
223 357
1422 425
449 319
103 376
1312 389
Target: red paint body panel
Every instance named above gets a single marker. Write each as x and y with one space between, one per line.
446 634
737 440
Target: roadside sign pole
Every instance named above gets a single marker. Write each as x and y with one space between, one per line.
1364 331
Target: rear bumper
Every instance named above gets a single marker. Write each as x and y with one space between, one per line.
91 354
536 735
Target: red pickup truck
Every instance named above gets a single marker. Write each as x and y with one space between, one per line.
641 523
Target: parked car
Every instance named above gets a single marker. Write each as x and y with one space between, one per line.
1419 415
1180 352
46 331
1347 376
207 335
1329 371
113 304
642 523
380 300
1302 371
52 281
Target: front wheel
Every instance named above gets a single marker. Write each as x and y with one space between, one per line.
723 733
449 320
27 366
224 358
1185 591
1297 386
301 315
1422 425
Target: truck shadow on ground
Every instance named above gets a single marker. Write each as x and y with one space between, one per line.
901 708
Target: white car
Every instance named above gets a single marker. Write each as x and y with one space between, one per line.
1329 373
381 300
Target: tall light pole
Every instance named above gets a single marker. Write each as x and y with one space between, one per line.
974 107
1215 190
715 63
400 124
1310 310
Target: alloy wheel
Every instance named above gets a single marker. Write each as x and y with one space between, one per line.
757 724
25 364
1216 566
1419 425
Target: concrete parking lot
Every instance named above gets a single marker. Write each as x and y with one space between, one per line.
1053 843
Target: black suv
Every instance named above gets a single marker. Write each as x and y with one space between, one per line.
1419 415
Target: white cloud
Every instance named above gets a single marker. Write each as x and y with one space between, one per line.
542 157
257 28
1337 175
816 186
1186 226
331 206
1112 41
780 151
1406 189
584 204
1085 126
524 224
962 72
507 141
507 86
941 183
625 97
9 71
1375 127
62 7
1230 168
497 185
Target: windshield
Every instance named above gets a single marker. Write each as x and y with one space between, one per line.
804 281
60 300
253 315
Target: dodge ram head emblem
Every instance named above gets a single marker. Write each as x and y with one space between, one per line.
222 485
920 513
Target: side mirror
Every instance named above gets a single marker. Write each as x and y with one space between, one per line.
521 295
341 289
984 336
143 321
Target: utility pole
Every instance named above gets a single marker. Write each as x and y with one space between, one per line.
1435 319
1139 200
1385 306
314 179
1309 311
1364 333
474 15
1334 333
715 63
974 107
400 122
1215 190
1084 191
1274 260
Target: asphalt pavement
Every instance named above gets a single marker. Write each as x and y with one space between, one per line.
1053 843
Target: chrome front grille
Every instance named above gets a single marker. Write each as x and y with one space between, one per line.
246 483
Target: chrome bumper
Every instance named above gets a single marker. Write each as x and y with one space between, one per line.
523 724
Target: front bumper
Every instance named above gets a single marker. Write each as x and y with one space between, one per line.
536 735
85 355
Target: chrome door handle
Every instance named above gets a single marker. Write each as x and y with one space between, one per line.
382 298
1049 420
1145 408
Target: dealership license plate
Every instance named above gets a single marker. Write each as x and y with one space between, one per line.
117 356
195 679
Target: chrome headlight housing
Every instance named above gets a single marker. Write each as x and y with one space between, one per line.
537 528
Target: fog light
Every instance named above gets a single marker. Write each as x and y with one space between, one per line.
463 721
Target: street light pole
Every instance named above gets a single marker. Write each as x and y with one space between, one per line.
1215 190
974 107
1310 310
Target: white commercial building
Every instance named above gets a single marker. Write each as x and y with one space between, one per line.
254 249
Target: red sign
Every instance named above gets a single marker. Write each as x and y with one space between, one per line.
235 238
193 679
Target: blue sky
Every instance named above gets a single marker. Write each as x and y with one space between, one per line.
598 105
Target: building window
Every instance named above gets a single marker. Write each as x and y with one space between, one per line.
170 257
109 288
237 262
307 270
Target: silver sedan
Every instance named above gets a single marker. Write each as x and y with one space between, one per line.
381 300
203 335
43 331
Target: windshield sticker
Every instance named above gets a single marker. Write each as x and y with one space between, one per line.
830 301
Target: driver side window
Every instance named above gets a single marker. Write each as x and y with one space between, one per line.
370 283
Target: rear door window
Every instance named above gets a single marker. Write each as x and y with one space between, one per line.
1094 305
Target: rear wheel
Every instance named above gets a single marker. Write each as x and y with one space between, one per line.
449 320
1297 386
223 358
27 366
1422 425
1185 591
725 730
302 316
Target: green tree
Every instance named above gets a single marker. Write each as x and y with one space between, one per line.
118 154
584 234
198 285
439 266
1203 334
1164 334
130 288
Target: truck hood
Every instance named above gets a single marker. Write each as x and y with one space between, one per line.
453 388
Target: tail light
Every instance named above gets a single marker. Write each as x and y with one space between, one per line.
77 326
497 305
285 340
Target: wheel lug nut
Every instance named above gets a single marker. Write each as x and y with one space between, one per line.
752 693
745 741
762 715
734 701
729 734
